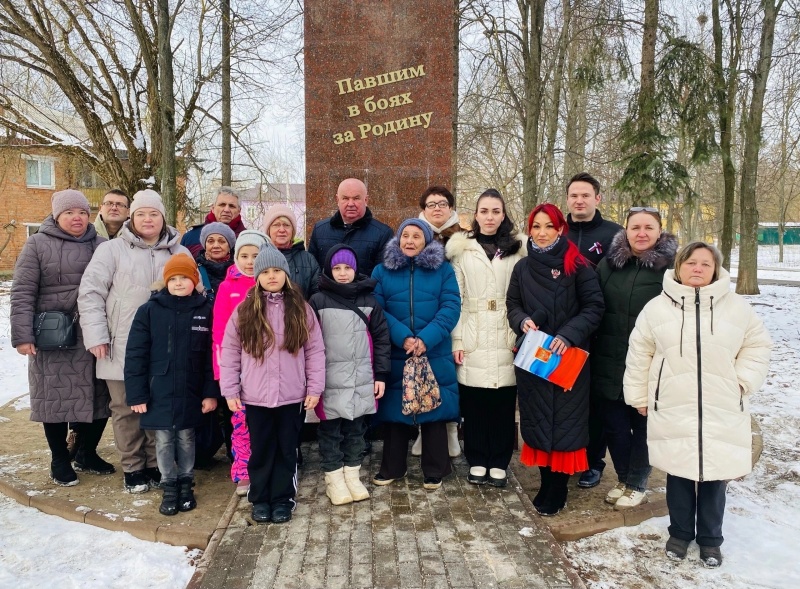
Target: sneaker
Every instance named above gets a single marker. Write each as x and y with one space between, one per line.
477 475
590 478
281 513
676 548
630 498
169 499
62 473
136 482
261 513
416 449
243 487
498 477
186 500
615 493
432 483
153 476
381 481
92 463
710 556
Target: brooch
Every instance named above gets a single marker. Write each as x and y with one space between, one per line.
555 273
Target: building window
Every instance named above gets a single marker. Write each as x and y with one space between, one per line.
32 228
39 173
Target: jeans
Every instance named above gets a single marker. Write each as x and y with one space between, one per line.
341 442
175 454
626 433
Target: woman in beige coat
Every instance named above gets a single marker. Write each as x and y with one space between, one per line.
483 260
697 353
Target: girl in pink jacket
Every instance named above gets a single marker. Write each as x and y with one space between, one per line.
273 364
230 293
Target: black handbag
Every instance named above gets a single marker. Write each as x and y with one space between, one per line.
55 330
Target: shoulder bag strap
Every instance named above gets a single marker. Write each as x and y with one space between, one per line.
350 305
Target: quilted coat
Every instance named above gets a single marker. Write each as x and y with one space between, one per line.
483 331
695 357
232 291
116 283
420 299
46 278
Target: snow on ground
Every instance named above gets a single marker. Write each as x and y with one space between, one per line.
13 366
762 519
39 550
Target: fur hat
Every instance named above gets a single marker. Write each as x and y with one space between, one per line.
251 237
270 257
423 225
148 199
181 265
64 200
276 212
219 229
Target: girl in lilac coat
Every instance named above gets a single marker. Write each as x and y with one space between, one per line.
273 365
230 293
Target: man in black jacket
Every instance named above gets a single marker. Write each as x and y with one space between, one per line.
354 225
592 234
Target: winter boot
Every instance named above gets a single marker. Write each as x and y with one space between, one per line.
544 487
352 477
453 447
186 501
169 500
556 499
86 457
60 468
336 487
153 476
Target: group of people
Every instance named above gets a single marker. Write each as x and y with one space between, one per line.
250 328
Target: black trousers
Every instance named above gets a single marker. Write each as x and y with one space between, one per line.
488 425
272 468
689 501
596 450
435 460
341 442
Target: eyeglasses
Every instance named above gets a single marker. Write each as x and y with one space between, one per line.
115 205
442 204
644 210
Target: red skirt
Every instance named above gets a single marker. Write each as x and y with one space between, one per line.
568 462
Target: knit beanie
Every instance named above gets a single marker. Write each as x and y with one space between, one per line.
219 229
181 265
270 257
277 211
423 225
344 256
64 200
251 237
147 199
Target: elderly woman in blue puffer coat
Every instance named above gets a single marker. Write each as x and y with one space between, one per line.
419 294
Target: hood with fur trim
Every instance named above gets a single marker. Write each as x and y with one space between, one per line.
659 257
431 257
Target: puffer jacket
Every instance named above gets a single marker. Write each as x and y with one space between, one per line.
168 361
420 299
695 357
304 267
212 273
593 238
482 331
116 283
231 292
367 237
46 278
355 355
628 282
568 306
281 378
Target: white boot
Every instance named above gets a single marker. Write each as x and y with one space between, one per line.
453 447
352 478
336 488
416 449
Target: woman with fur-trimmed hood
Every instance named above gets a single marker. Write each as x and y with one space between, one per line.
630 276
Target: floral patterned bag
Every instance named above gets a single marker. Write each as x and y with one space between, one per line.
420 389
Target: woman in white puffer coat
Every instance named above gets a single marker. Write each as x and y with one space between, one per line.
483 260
696 354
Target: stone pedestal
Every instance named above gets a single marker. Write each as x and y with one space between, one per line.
379 102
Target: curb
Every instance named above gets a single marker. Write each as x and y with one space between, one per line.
208 554
151 531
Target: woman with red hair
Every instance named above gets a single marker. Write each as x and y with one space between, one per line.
554 289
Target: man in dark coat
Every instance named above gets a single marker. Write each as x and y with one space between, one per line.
226 210
593 235
354 225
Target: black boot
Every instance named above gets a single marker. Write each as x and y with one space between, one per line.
86 458
169 500
556 499
186 500
60 468
544 488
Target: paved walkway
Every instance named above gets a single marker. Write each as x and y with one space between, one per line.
459 536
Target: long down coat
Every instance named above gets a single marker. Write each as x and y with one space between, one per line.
46 278
560 305
420 299
695 357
